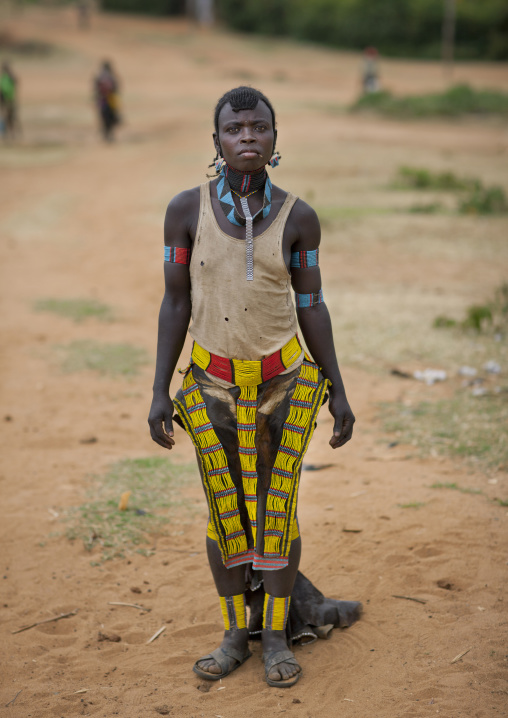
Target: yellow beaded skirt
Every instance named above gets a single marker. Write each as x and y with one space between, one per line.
250 442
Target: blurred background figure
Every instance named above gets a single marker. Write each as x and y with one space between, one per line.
202 11
106 88
83 10
370 74
8 102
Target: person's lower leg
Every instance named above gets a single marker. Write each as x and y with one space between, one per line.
278 588
230 584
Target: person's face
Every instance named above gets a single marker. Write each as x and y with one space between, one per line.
246 138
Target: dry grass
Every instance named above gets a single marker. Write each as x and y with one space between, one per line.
155 483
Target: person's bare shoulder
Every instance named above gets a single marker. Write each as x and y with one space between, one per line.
181 219
305 227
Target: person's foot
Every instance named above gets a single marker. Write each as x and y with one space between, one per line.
286 671
238 641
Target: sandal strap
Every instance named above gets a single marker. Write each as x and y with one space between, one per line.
221 657
273 658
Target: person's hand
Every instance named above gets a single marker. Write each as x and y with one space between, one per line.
160 421
344 420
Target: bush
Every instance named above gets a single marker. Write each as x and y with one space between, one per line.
458 100
482 318
395 27
485 200
146 7
419 178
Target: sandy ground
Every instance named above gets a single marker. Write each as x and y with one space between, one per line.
79 219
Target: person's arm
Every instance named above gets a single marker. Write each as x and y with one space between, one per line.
174 316
314 319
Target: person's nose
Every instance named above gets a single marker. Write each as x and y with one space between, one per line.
247 135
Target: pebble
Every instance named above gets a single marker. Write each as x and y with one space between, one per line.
430 376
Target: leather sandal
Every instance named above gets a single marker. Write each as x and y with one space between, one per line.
222 657
273 658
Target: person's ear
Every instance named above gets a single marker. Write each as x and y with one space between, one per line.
216 144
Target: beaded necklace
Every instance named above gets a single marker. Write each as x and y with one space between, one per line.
243 182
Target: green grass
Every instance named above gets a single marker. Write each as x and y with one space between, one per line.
474 197
412 505
484 200
107 359
455 487
454 102
76 309
328 216
155 484
468 427
490 317
430 208
421 178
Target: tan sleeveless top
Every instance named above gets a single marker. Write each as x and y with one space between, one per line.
233 317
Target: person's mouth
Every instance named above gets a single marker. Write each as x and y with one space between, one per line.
249 154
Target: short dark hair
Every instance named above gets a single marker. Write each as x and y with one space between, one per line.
242 98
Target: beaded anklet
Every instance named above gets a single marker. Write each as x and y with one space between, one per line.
233 612
275 612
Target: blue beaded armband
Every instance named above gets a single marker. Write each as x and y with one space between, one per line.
309 300
305 259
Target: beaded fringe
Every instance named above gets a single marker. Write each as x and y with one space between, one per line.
296 435
221 492
282 495
246 425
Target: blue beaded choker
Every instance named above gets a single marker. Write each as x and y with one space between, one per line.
224 193
228 205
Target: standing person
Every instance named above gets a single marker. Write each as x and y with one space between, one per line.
106 91
250 395
83 11
370 71
8 101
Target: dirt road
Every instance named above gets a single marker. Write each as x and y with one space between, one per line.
82 220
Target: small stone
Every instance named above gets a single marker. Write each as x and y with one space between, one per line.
135 589
446 584
430 376
467 371
163 710
479 391
492 367
296 700
112 637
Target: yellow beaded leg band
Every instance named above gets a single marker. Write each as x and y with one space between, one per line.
275 612
233 612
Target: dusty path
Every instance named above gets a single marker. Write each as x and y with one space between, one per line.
81 220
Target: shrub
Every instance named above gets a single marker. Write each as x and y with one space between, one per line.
456 101
397 27
484 200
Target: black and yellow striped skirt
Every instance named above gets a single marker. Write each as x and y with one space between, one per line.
250 441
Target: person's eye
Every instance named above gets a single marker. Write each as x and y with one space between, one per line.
232 130
261 128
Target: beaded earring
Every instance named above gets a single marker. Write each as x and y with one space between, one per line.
219 163
275 159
